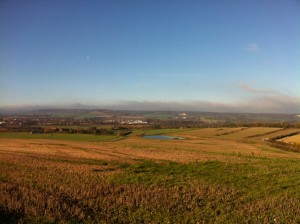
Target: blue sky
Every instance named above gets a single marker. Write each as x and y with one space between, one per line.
235 56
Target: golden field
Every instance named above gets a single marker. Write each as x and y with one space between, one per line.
292 139
214 175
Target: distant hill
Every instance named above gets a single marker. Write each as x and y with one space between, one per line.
204 116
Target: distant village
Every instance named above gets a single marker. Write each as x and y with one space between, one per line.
47 122
58 124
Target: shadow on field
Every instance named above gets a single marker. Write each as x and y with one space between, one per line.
11 217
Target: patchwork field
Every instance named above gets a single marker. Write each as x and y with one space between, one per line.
214 175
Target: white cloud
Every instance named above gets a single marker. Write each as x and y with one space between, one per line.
261 100
272 104
253 47
268 100
258 104
256 90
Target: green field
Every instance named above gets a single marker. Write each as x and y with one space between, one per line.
157 131
209 177
58 136
85 137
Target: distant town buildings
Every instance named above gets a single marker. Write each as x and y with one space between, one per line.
182 116
137 122
133 122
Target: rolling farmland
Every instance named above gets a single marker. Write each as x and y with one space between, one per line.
214 175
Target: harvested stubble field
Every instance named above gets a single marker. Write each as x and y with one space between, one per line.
209 177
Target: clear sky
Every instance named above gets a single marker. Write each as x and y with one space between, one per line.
236 55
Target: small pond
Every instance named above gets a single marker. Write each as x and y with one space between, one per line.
166 137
